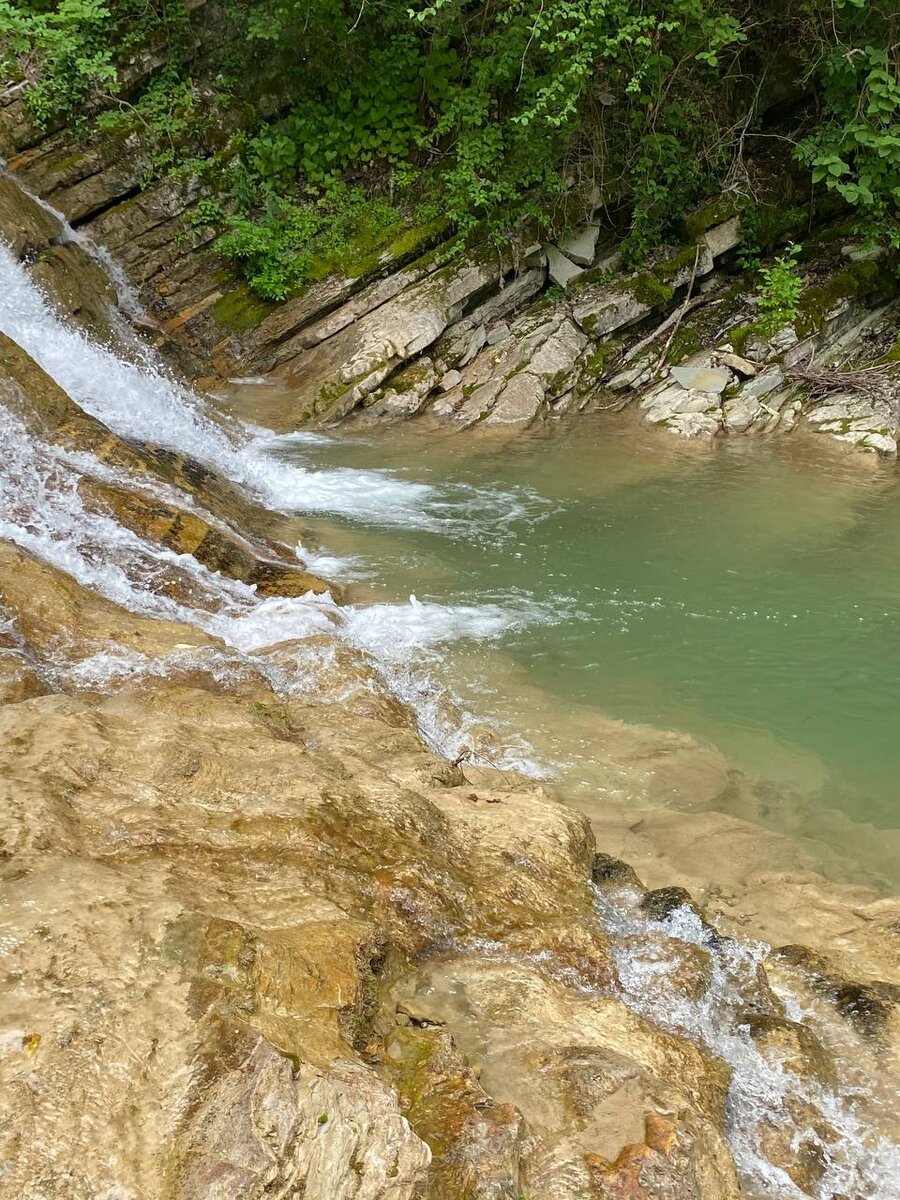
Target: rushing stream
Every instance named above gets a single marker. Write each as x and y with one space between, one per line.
738 593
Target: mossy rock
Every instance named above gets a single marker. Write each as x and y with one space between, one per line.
596 364
874 277
685 257
722 209
648 289
241 309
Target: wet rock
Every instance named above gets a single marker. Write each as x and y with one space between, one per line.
50 413
873 1007
20 679
264 1127
26 228
190 533
789 1044
671 1160
477 1145
607 871
587 1075
662 902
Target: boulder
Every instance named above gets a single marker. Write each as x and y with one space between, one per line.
581 246
561 269
702 378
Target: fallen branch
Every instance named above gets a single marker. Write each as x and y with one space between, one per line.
881 381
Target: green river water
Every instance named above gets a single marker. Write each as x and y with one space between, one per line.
746 592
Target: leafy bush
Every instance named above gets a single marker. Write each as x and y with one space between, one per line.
481 112
290 243
73 44
855 150
782 287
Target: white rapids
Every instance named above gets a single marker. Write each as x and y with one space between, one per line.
859 1159
42 511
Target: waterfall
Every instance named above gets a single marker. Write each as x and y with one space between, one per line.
43 512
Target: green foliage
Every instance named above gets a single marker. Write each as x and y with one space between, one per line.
302 115
782 287
73 45
855 150
74 48
519 88
291 243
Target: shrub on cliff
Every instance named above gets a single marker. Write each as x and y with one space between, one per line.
475 112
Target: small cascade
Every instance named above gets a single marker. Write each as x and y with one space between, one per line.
43 512
840 1126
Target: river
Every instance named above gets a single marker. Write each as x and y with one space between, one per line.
530 598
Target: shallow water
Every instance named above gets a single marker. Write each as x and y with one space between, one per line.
745 592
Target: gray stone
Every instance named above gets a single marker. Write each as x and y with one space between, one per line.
450 380
692 425
738 364
634 376
519 402
602 311
562 270
554 360
669 400
477 340
763 384
702 379
858 252
581 247
722 238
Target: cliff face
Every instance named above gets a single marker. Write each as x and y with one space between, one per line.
501 338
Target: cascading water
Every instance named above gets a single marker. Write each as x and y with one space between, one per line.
42 510
843 1125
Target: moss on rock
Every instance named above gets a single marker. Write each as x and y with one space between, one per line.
241 309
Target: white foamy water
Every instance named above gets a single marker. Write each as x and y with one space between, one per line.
140 401
840 1122
42 510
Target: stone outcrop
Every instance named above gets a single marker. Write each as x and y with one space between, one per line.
315 957
48 412
234 879
462 341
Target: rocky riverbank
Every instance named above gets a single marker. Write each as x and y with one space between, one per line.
259 943
495 337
